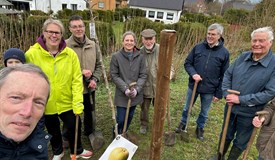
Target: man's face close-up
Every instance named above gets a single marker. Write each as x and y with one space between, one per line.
77 28
148 42
23 97
212 37
260 44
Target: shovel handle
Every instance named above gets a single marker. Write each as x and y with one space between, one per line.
191 103
253 135
75 138
224 132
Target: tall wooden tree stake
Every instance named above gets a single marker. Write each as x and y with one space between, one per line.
167 45
93 36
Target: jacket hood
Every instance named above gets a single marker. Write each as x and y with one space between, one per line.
41 41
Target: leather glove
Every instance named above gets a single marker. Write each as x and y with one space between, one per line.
133 93
127 92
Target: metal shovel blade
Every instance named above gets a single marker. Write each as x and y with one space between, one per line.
169 138
97 140
184 136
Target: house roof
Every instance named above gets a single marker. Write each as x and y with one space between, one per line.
5 3
8 11
160 4
243 5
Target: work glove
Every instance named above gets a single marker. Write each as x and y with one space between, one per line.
133 93
127 92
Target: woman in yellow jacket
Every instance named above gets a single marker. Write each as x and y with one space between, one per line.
61 65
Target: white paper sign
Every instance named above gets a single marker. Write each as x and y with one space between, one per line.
92 30
118 143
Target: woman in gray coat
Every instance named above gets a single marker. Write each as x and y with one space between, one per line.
127 66
266 139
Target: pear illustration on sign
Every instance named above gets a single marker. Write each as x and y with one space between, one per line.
119 153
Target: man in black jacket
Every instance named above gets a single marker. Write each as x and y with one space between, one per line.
24 92
205 64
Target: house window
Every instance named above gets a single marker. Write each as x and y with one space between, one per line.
170 16
151 14
64 6
160 15
74 7
100 4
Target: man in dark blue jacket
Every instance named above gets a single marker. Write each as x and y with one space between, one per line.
24 92
206 64
253 75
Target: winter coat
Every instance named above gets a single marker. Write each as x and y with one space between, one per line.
266 139
35 147
254 80
151 61
65 77
124 71
89 56
210 64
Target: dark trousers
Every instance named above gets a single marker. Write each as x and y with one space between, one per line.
53 126
120 117
239 130
144 113
88 109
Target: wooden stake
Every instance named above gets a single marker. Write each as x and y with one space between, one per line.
167 45
110 97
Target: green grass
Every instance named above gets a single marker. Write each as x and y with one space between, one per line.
194 150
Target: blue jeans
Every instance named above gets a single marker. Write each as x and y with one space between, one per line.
120 117
206 100
239 129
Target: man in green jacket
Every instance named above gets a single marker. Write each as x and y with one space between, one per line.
150 51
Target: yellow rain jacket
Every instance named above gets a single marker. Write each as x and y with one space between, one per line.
65 78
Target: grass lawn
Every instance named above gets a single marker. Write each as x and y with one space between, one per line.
194 150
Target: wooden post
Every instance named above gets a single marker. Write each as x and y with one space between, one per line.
110 97
167 45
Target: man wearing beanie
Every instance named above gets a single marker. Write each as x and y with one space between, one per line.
14 56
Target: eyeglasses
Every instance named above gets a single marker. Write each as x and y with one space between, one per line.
53 32
212 34
75 27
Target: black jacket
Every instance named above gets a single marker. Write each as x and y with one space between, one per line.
33 148
210 64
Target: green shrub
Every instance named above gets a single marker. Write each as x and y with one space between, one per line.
235 16
38 13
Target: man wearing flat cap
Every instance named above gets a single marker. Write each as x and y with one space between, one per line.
150 50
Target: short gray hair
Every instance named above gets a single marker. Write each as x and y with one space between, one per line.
130 33
27 68
53 21
216 26
267 30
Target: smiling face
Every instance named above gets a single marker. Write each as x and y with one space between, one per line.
212 37
52 35
77 28
129 43
23 97
260 44
148 42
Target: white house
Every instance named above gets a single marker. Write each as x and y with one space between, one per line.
47 5
167 11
